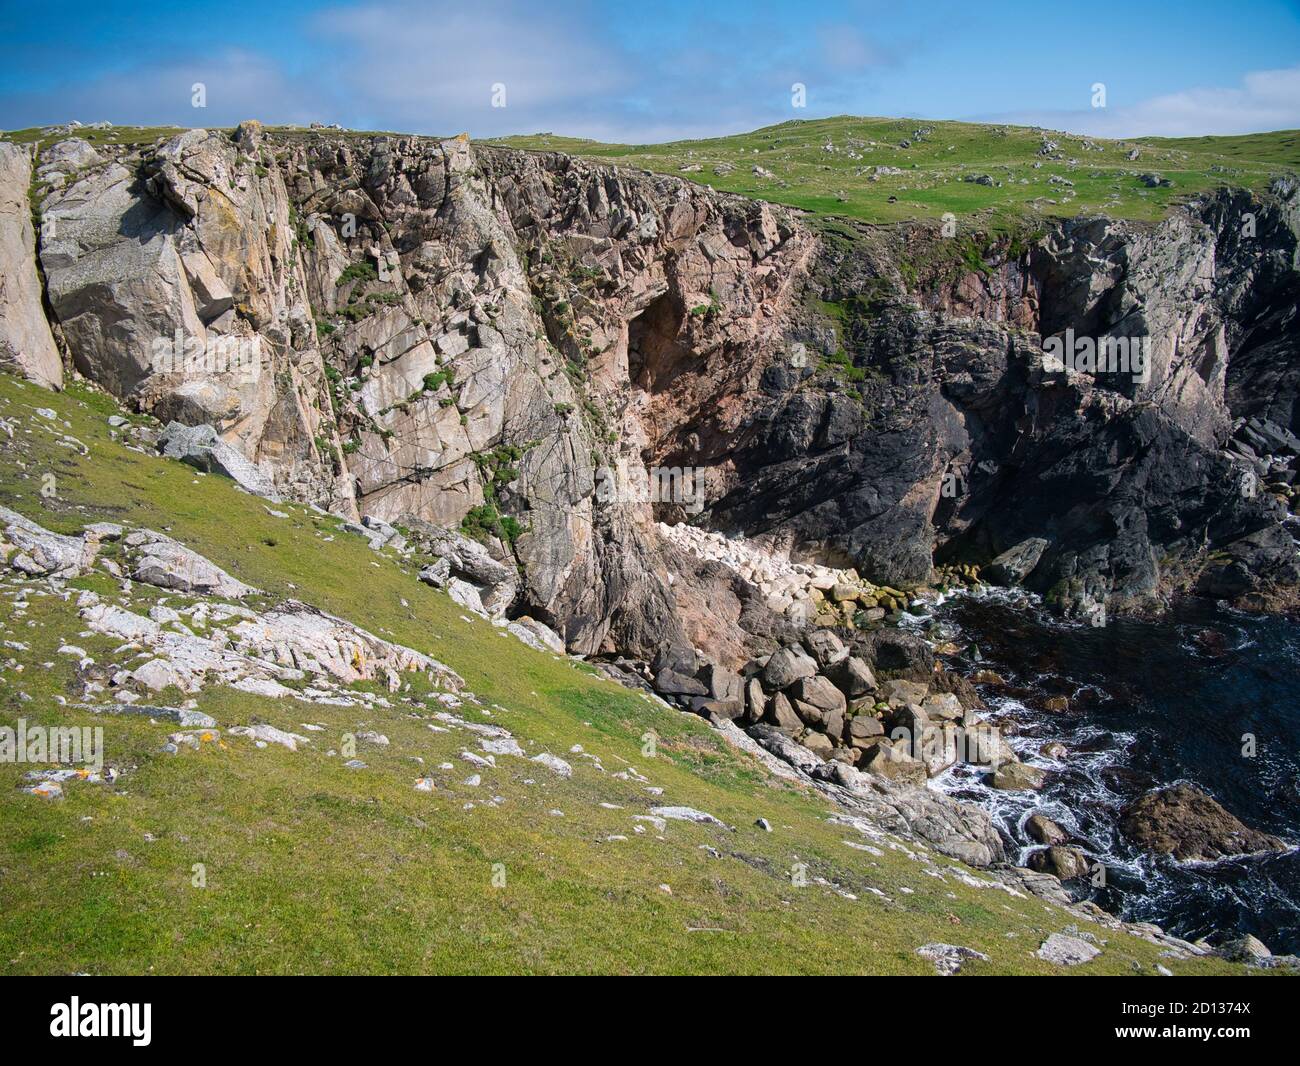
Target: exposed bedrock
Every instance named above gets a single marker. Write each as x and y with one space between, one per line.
554 355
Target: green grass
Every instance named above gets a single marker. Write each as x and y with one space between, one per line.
315 868
933 168
129 136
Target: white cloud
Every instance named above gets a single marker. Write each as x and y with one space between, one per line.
1265 100
433 67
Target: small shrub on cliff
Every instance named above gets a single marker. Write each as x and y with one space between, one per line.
362 271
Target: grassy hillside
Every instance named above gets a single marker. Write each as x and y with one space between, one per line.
314 867
935 165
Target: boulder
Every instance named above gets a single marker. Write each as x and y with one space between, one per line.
911 722
671 683
852 676
1184 822
267 734
786 666
1017 776
819 692
686 814
382 534
863 730
1063 863
899 693
66 157
203 449
723 684
1245 948
824 646
466 595
34 550
948 958
939 748
544 634
158 560
436 574
1066 950
896 651
710 708
885 760
498 582
942 707
986 746
818 743
833 724
780 713
755 700
1016 563
1040 828
812 717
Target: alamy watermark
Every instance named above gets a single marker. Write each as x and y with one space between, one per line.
132 1021
181 354
1099 355
681 485
70 745
948 742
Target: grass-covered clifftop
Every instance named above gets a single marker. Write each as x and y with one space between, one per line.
888 170
314 867
891 170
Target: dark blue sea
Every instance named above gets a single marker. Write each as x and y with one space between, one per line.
1151 703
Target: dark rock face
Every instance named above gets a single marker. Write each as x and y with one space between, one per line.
1187 824
959 442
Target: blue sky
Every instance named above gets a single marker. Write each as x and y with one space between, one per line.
654 71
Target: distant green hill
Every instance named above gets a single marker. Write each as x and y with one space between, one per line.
887 170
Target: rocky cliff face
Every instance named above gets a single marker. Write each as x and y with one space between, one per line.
554 354
26 344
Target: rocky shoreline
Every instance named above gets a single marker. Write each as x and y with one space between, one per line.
818 706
